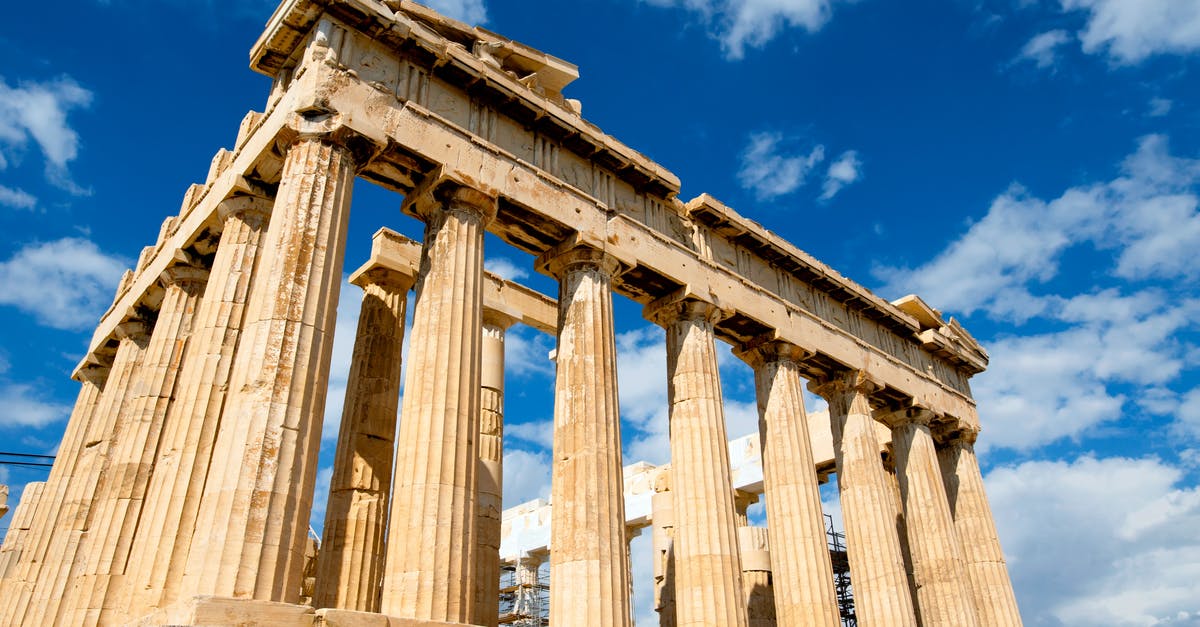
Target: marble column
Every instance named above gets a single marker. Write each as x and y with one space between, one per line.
525 578
662 504
103 431
881 594
16 588
186 450
252 528
987 573
589 567
18 528
104 552
350 563
431 564
942 591
800 561
490 481
756 576
708 573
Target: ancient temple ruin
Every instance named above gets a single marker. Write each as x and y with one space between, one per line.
184 484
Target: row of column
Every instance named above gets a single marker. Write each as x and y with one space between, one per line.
193 458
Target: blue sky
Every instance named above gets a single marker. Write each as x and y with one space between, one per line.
1030 166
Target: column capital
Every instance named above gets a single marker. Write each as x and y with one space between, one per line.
742 500
845 381
255 211
767 350
498 319
185 276
572 255
96 374
385 277
901 417
956 435
133 329
443 192
331 128
683 304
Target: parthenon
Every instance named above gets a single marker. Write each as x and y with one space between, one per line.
185 480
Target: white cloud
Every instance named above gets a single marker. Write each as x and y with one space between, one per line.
24 407
1160 107
39 110
770 171
16 198
505 269
845 171
1105 347
65 284
1129 31
1188 414
742 24
1100 541
1147 215
1042 50
470 11
526 476
539 433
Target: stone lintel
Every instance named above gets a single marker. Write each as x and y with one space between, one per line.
402 255
347 618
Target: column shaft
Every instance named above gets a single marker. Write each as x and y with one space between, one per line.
350 564
431 540
760 590
42 536
589 567
491 477
19 526
105 548
186 449
881 594
987 573
251 534
98 445
943 594
800 561
708 572
663 521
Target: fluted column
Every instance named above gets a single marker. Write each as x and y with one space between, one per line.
804 594
18 528
253 525
589 567
350 564
708 573
881 594
182 465
16 588
103 431
942 591
756 576
431 540
491 472
987 573
105 549
662 503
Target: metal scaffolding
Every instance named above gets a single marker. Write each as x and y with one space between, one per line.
524 601
841 573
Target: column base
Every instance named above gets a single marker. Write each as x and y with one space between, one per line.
208 611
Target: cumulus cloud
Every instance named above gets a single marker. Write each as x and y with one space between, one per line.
505 269
1129 31
1104 347
25 406
64 284
470 11
1042 50
1100 541
38 111
771 169
847 169
526 476
1160 107
16 198
742 24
